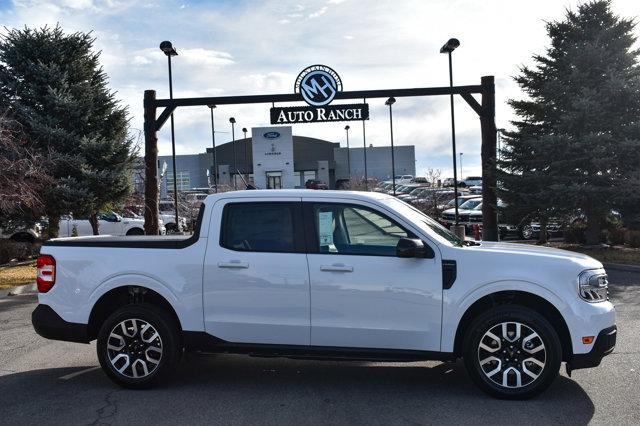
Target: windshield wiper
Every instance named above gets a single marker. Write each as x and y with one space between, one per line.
470 243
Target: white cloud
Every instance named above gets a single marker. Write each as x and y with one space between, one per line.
318 12
226 48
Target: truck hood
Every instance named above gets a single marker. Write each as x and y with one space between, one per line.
543 254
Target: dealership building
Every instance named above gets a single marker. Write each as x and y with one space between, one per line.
275 158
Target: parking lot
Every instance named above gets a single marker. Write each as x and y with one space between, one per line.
44 382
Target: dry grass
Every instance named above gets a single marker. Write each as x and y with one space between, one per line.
11 276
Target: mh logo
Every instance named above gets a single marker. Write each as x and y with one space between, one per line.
318 85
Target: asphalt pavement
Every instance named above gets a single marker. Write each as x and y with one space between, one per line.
48 382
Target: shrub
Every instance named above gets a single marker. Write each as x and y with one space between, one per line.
10 250
617 236
633 239
575 233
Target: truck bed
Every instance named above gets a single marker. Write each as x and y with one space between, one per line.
142 241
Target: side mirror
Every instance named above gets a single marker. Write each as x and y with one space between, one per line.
411 247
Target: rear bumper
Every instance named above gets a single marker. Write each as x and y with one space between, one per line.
604 345
48 324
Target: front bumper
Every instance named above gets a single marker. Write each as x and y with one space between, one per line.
48 324
604 345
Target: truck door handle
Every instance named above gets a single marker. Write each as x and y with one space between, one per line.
233 264
336 267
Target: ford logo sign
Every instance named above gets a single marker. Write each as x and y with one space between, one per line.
272 135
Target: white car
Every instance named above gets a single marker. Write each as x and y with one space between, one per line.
21 232
464 210
471 181
109 223
332 275
168 216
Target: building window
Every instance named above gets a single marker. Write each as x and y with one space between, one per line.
308 175
183 180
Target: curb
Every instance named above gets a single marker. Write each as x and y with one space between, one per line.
16 291
622 267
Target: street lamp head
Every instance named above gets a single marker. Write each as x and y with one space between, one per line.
244 129
211 106
232 120
168 48
450 45
347 127
390 101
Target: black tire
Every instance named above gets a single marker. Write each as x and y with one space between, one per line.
171 228
526 232
135 231
170 345
551 354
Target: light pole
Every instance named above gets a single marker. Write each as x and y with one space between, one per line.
170 51
233 145
461 164
364 144
390 102
246 166
348 153
213 142
448 48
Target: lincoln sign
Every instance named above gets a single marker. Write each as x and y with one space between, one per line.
351 112
318 85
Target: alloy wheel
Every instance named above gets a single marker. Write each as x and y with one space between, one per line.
512 355
134 348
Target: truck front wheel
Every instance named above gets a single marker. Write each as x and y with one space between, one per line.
512 352
138 346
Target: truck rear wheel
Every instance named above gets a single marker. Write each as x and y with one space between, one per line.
139 346
512 352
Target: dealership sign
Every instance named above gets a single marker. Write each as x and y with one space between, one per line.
318 85
291 115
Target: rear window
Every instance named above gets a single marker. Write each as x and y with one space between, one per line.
259 227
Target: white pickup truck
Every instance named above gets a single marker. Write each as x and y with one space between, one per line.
326 274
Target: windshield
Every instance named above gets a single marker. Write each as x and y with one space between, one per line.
471 204
425 222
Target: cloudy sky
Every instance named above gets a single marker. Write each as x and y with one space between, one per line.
239 47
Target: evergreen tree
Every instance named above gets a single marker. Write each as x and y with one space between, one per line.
56 89
576 143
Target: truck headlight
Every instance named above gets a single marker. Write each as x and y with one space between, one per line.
593 285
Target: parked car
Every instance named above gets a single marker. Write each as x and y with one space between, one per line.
476 189
330 275
167 214
404 179
525 229
22 232
471 181
316 184
420 179
413 190
462 198
448 216
109 223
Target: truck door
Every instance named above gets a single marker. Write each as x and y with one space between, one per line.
256 281
362 294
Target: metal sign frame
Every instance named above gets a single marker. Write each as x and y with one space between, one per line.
485 110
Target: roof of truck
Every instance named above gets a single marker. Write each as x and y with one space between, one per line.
279 193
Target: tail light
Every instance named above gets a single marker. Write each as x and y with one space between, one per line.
46 272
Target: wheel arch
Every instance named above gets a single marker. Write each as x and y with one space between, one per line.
521 298
123 295
135 230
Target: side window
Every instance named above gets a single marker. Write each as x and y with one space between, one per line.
356 230
259 227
